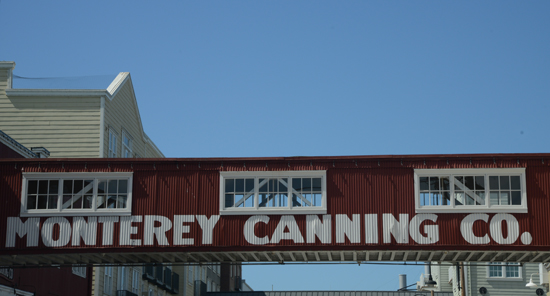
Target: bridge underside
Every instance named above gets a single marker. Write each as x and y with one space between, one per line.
274 257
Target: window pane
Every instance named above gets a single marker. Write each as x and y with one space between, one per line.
88 199
101 204
512 270
493 182
54 188
229 200
469 182
43 187
52 202
249 202
446 198
239 200
102 187
459 183
424 185
318 199
296 201
123 186
495 270
31 202
111 201
459 198
78 185
112 186
33 187
480 182
306 183
263 200
515 182
494 198
505 198
249 185
480 197
230 185
282 186
272 185
470 199
445 184
67 186
424 199
434 199
516 197
297 184
316 184
42 201
504 182
434 183
239 185
263 185
121 201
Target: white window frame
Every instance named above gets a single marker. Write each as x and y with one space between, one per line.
127 149
136 276
113 141
289 209
487 208
79 270
108 280
503 265
121 278
94 211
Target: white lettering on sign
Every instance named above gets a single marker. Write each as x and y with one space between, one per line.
423 229
316 228
250 230
348 228
180 229
85 230
495 229
398 229
432 231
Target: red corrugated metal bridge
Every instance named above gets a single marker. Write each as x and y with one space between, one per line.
451 208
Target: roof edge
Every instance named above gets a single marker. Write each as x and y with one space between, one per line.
16 146
21 92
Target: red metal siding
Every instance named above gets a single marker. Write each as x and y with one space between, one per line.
355 185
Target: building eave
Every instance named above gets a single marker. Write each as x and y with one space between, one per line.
58 93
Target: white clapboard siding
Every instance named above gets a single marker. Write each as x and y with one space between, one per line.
122 114
67 127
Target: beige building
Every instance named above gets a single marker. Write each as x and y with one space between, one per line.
90 118
75 123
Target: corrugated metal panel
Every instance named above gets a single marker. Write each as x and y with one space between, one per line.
381 187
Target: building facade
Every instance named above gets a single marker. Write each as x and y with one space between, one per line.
489 278
76 280
91 119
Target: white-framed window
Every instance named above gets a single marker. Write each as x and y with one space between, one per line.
470 190
504 270
136 276
79 270
121 278
113 139
72 194
280 192
126 145
108 280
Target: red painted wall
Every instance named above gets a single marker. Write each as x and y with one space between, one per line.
355 185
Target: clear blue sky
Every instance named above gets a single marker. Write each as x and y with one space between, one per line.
289 78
